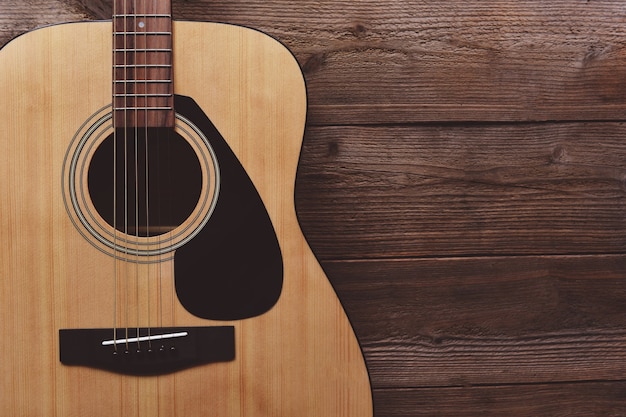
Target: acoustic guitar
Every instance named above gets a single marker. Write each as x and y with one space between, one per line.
152 263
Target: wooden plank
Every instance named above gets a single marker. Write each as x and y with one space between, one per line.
486 321
17 16
556 400
461 190
405 61
372 62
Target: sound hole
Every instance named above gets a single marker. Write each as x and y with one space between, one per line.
145 182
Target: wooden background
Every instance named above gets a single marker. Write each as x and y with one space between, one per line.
463 182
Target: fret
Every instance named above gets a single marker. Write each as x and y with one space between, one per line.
129 16
143 108
142 66
149 95
143 81
143 92
142 50
135 33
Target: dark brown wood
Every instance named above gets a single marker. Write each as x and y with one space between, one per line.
143 82
462 190
463 182
406 61
483 321
555 400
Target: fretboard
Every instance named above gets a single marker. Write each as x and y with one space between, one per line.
142 64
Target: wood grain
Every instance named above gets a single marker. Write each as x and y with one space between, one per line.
300 358
463 190
567 400
462 182
493 320
17 17
410 60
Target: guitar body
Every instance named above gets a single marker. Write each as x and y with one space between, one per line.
295 357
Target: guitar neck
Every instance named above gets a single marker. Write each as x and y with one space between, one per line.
142 64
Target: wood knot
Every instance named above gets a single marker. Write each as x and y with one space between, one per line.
594 54
623 182
358 30
333 149
559 155
314 63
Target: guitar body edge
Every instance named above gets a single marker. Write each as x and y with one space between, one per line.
301 358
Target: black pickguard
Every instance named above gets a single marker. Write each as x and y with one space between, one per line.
233 268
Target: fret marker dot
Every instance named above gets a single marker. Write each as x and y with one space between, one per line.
142 24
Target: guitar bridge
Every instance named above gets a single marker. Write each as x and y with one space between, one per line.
147 351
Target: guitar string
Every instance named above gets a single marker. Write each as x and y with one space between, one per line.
158 243
170 274
147 173
118 257
144 25
124 254
158 271
125 69
136 130
130 61
167 211
113 98
134 123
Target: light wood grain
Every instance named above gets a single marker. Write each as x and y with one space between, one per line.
412 256
301 358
